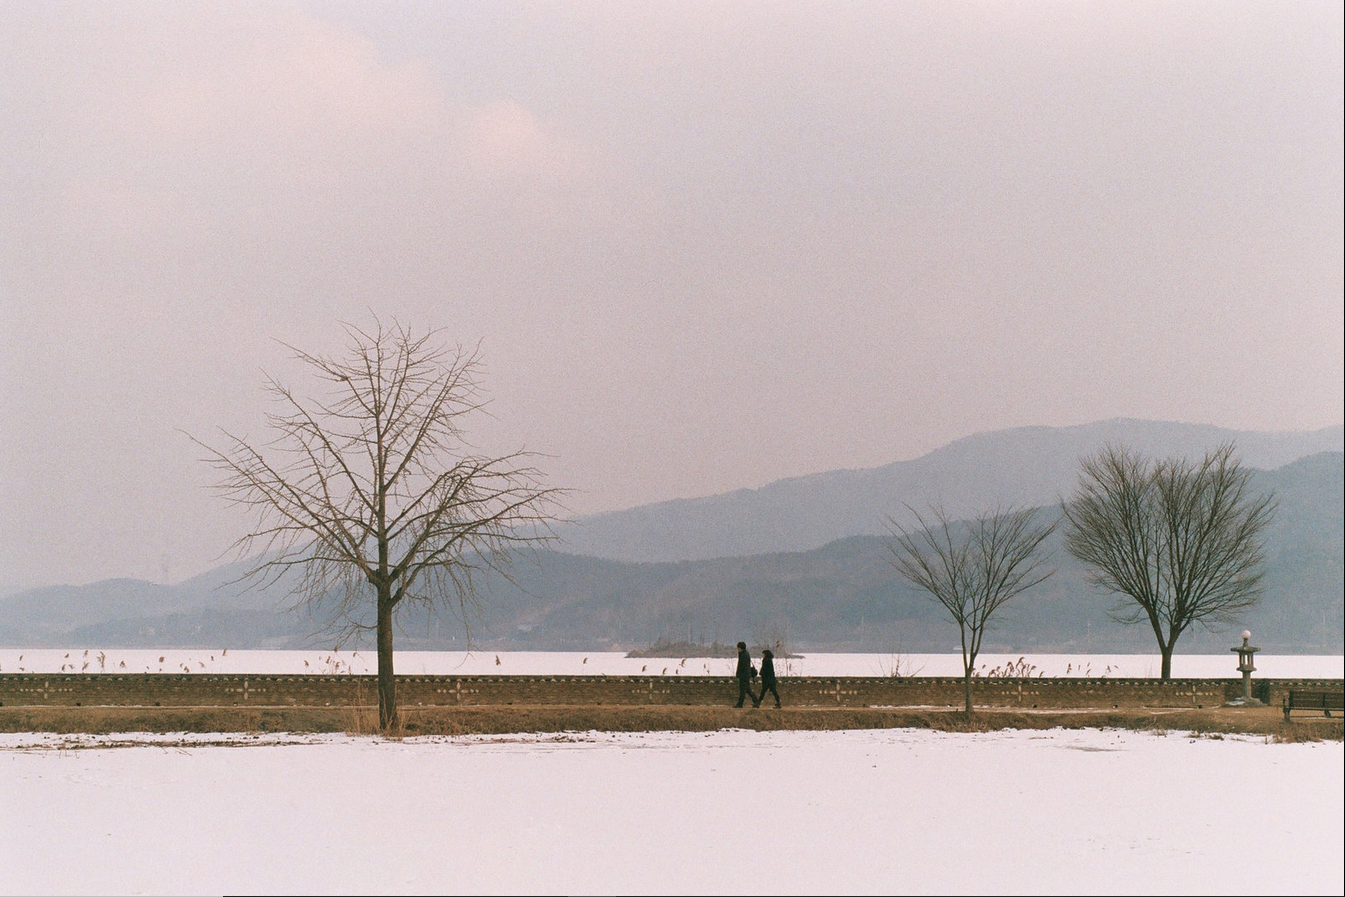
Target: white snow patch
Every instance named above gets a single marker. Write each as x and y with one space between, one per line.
881 811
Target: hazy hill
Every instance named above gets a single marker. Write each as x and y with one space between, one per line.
1029 466
843 595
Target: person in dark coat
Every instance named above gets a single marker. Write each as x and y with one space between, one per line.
768 678
745 672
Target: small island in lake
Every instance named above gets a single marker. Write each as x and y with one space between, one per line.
665 648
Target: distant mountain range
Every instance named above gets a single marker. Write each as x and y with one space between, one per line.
839 595
1029 466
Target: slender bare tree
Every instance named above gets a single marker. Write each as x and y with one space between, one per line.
1180 539
972 568
370 492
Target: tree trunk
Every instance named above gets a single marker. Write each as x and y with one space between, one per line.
968 662
1166 642
387 685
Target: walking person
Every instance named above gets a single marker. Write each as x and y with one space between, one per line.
768 678
745 673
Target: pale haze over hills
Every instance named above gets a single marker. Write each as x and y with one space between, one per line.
838 592
1029 466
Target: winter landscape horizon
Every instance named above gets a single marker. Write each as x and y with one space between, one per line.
882 334
1023 465
800 561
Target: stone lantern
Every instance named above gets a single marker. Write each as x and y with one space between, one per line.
1246 667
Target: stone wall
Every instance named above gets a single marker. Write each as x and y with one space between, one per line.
210 690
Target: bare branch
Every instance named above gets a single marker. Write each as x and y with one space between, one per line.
1180 540
972 569
370 494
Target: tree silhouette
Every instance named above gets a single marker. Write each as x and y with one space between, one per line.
370 491
972 568
1180 539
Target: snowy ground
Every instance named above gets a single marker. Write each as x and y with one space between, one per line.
888 811
561 663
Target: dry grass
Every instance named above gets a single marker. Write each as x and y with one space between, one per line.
106 720
496 719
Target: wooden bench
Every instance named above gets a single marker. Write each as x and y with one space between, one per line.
1322 701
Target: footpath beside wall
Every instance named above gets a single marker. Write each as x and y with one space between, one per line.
211 690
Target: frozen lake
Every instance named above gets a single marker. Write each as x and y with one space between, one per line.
886 811
600 663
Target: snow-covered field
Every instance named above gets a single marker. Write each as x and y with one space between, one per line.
787 812
559 663
888 811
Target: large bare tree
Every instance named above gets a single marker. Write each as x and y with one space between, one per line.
370 493
972 568
1180 539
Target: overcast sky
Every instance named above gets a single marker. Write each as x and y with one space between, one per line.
703 245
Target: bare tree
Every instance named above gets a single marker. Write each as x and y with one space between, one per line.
1180 539
972 568
371 494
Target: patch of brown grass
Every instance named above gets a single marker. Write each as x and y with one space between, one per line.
507 719
107 720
